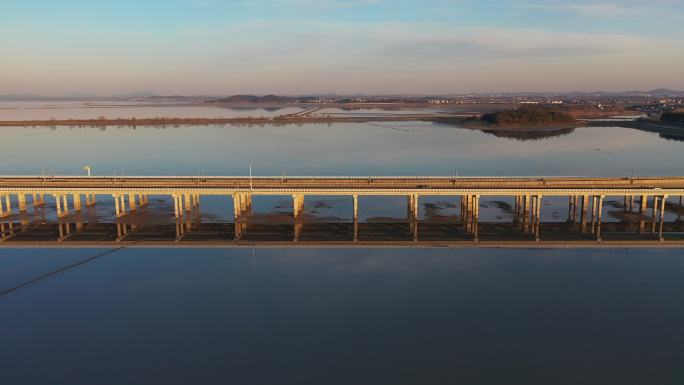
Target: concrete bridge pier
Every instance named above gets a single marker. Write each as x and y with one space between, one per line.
643 208
187 202
122 202
571 209
297 210
599 216
476 217
77 202
536 213
355 199
412 217
662 218
527 209
237 216
593 214
5 209
142 199
119 205
132 205
297 205
585 209
464 210
654 214
38 200
21 200
61 206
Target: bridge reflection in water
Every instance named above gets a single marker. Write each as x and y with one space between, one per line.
192 231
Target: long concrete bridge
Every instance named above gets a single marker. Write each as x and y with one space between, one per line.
585 195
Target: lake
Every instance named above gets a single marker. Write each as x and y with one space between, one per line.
347 314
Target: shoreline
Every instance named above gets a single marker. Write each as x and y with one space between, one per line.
463 121
210 121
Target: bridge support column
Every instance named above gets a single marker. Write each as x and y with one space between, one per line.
8 205
236 207
654 214
298 205
355 198
476 217
117 206
38 200
92 200
537 216
65 205
594 207
77 202
599 217
527 206
413 202
188 202
131 202
571 208
465 211
236 216
585 209
662 218
122 202
643 205
21 199
58 206
3 213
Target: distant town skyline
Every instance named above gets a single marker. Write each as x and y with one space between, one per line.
192 47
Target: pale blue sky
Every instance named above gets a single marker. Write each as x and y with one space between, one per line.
344 46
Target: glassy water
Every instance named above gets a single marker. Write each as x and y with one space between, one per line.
396 148
340 316
126 110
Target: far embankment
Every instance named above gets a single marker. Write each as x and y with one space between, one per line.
297 119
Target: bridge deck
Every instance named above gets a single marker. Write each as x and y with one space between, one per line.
346 185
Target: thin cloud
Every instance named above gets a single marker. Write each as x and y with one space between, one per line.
609 9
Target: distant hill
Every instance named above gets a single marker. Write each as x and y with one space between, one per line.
138 94
253 99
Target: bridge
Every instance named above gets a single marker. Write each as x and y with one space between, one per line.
585 195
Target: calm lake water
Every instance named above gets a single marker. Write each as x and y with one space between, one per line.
112 110
340 316
393 148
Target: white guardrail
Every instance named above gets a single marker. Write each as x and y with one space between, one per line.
327 177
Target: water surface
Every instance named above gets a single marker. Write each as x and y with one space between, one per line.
340 316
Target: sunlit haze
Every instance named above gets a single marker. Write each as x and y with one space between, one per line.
342 46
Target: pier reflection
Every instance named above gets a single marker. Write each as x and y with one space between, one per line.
192 230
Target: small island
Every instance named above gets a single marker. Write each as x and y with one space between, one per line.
530 116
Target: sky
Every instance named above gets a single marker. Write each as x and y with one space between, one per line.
225 47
